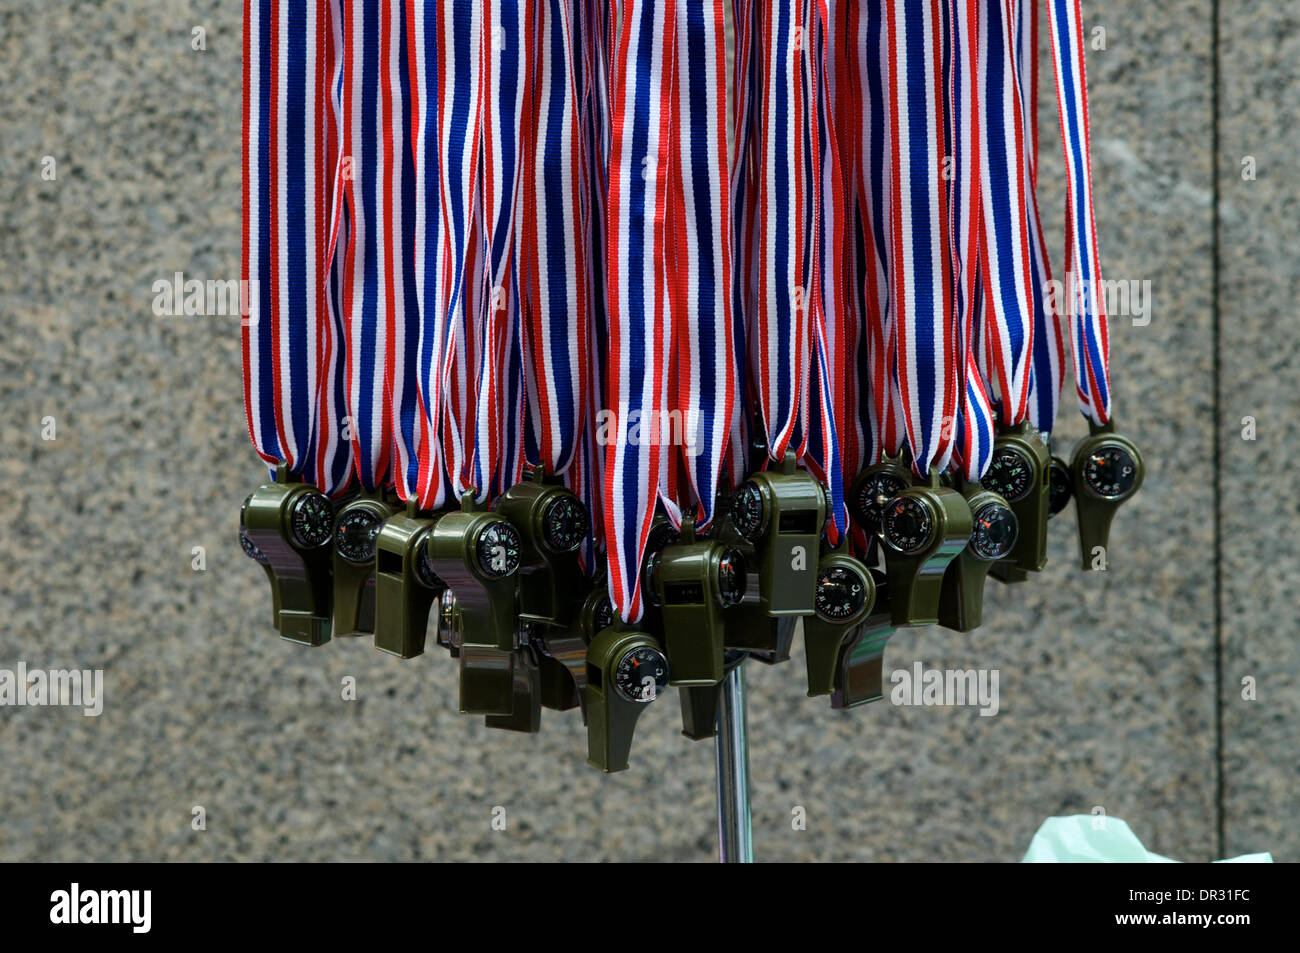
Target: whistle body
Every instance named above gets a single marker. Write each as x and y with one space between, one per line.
356 532
700 703
846 594
526 704
781 514
994 530
259 557
552 524
291 523
872 490
405 584
925 528
562 657
476 553
626 670
1107 469
1020 472
859 677
695 581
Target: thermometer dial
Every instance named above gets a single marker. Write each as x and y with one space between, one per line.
909 524
1110 472
993 532
841 594
641 674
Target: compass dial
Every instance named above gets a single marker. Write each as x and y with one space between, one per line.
565 524
747 511
251 549
497 549
355 534
1061 488
1010 475
732 580
993 532
312 520
841 594
874 495
1110 472
909 524
424 565
603 617
641 674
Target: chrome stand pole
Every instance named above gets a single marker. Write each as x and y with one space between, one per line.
735 833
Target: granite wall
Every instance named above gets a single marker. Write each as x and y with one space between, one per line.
1120 691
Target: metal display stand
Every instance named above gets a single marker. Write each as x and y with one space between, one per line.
735 832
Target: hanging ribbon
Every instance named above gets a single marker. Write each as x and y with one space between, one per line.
641 72
920 276
292 357
1084 304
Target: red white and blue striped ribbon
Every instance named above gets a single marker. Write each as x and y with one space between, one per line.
291 340
780 313
378 291
702 276
552 239
1005 238
1085 304
975 432
640 90
1049 345
920 274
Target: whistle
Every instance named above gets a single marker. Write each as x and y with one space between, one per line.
259 557
562 653
552 524
626 670
748 627
405 582
872 490
477 554
291 524
925 527
859 677
356 531
846 594
700 703
993 537
1107 470
695 580
781 515
1020 472
526 704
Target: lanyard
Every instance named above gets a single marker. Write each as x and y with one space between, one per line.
1088 326
974 450
780 345
920 277
553 239
702 250
292 338
378 291
641 70
1005 239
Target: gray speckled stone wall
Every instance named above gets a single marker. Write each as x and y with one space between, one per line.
1108 681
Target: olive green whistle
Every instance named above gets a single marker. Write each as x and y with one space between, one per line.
993 536
562 653
406 584
477 554
1020 472
356 530
872 490
925 527
695 580
1107 470
626 670
291 524
526 713
859 676
846 594
781 514
552 524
